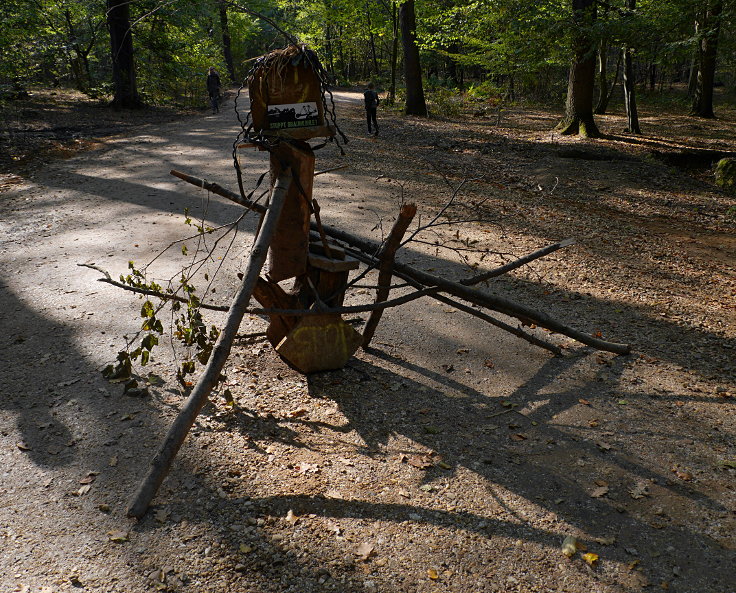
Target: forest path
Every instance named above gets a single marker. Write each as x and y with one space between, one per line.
453 456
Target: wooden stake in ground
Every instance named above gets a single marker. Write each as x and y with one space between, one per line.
162 461
385 268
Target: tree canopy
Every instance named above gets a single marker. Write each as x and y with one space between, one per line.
490 48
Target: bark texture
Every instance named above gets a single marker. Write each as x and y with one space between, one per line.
581 83
227 52
708 31
415 103
121 53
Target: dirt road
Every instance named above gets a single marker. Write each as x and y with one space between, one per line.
452 458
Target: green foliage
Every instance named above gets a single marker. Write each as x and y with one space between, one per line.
189 328
444 102
725 174
520 48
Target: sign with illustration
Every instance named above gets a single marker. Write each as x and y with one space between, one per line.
292 115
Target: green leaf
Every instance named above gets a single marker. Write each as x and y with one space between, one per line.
149 342
147 310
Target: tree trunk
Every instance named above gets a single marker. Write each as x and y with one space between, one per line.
394 52
692 81
602 105
330 53
371 39
581 83
227 52
121 52
415 104
632 115
707 51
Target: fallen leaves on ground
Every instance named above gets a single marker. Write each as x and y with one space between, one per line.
365 551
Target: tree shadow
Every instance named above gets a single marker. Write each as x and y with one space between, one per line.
533 448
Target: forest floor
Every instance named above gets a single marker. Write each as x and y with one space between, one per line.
452 456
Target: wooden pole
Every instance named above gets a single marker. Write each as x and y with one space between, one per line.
161 463
385 268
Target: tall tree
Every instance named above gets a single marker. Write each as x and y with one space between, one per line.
578 117
415 104
121 51
707 29
632 114
227 52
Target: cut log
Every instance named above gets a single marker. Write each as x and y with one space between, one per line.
163 459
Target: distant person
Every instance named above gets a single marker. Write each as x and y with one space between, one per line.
213 88
370 96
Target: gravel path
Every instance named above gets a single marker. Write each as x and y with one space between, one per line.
453 457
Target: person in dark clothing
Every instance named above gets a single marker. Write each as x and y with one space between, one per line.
370 96
213 88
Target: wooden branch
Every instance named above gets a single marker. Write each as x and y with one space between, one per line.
385 268
495 303
519 333
331 170
163 459
516 264
147 291
261 311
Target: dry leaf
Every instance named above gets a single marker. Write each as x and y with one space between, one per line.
334 527
444 465
600 491
585 402
89 478
296 413
639 490
113 461
117 536
83 490
162 515
432 574
488 363
420 461
307 468
245 549
291 517
603 446
23 446
591 559
569 546
365 551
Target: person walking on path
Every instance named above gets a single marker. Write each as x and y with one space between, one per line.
213 88
370 96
